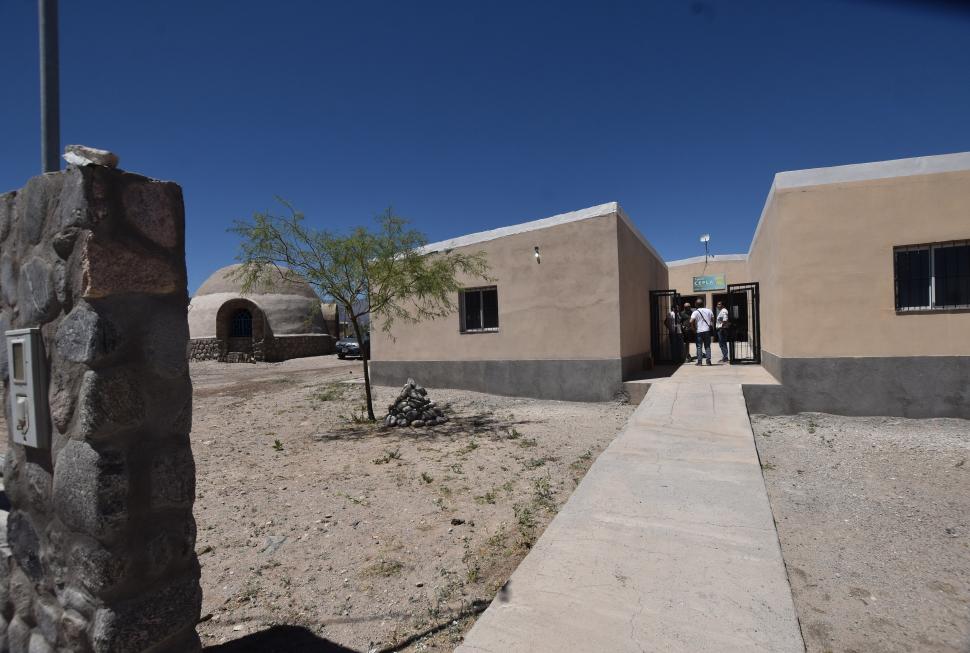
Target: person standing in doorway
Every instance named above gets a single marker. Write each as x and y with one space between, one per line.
724 332
687 330
703 321
675 335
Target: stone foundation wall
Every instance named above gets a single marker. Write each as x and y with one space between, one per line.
203 349
101 534
282 348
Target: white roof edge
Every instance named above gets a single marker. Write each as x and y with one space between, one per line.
636 232
761 219
525 227
921 165
712 257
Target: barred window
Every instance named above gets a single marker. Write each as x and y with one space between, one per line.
932 276
478 309
241 325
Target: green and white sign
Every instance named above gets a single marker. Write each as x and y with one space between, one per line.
709 282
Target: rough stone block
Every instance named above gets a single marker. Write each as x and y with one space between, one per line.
7 207
38 200
154 208
134 626
109 402
18 635
38 483
73 629
63 395
110 269
96 569
84 336
77 600
24 545
172 478
63 241
39 644
165 343
91 490
171 548
78 193
21 592
38 296
47 616
9 276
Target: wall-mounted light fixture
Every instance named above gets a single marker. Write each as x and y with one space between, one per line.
706 238
538 260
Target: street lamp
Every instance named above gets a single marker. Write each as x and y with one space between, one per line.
706 238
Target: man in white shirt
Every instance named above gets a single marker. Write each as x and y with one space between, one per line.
703 321
724 332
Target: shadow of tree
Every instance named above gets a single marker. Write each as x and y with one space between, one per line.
280 639
476 425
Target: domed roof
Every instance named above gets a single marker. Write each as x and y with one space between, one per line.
227 279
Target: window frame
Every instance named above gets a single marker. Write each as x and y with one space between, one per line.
481 309
930 249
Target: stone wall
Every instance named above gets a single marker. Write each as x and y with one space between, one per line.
275 348
204 349
101 533
281 348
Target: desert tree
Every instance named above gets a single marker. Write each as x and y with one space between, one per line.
383 273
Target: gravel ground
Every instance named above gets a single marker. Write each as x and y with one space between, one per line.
312 527
872 514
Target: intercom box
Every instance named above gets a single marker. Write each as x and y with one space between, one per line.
27 414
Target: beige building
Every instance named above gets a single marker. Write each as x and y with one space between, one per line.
863 298
563 316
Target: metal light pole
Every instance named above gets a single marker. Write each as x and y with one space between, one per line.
706 238
50 116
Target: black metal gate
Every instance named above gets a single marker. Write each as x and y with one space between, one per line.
666 342
743 308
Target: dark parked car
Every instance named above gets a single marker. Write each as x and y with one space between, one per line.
350 347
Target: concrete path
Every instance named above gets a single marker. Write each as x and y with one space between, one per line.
668 544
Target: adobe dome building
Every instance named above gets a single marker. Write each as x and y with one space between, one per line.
278 320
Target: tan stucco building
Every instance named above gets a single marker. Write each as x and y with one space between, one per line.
863 276
562 317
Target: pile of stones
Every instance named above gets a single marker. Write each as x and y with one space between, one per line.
413 408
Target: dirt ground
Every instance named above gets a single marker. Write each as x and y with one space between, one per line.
873 515
316 530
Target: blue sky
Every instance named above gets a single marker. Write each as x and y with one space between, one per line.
472 115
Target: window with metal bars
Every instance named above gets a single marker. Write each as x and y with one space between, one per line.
478 309
932 277
241 325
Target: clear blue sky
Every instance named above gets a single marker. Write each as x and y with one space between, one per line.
472 115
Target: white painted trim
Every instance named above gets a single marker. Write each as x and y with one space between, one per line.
761 219
921 165
636 232
712 258
525 227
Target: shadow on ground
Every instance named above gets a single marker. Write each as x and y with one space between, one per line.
480 425
280 639
297 639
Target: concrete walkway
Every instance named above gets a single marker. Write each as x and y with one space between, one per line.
668 544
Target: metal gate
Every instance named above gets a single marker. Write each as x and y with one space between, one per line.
743 307
666 344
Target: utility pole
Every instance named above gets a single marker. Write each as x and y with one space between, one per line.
50 115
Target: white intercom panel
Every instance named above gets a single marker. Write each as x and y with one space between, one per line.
27 414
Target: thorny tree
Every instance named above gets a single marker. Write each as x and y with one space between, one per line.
383 273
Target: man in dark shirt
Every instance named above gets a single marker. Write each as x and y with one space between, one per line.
687 329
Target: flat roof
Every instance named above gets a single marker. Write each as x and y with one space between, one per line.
544 223
712 257
920 165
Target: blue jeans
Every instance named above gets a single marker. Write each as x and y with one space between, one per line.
704 338
724 341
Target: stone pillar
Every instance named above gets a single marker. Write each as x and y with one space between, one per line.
101 534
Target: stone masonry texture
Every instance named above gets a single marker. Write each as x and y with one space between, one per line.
101 538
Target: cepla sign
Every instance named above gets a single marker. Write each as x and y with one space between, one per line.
709 282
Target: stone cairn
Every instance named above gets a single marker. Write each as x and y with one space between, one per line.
413 408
